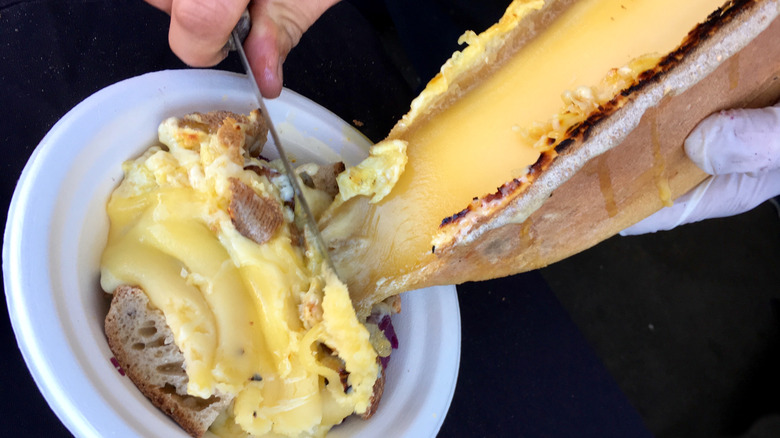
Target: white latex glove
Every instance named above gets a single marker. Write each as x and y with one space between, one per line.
741 149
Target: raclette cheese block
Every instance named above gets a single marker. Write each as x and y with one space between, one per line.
468 134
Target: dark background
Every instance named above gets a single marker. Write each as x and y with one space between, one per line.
670 334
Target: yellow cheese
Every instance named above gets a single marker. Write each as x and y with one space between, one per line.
482 140
248 317
376 175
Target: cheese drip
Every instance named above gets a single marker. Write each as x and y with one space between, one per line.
487 136
235 307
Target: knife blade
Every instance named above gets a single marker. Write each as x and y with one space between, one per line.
312 231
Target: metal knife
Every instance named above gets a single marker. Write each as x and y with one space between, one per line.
312 232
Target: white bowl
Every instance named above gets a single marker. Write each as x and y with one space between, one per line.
57 228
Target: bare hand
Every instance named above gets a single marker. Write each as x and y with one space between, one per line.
200 28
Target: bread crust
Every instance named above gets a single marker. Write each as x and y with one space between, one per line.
376 396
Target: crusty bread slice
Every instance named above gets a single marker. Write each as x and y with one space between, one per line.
143 345
376 396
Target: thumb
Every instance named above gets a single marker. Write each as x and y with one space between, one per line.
737 141
718 196
200 28
277 27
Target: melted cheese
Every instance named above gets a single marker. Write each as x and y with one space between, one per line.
484 139
234 306
376 175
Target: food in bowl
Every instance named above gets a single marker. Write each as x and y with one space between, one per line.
220 314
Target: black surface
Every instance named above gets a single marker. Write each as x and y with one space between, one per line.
526 370
687 321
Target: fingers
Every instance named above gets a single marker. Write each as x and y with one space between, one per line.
277 26
737 141
734 193
163 5
200 28
719 196
266 49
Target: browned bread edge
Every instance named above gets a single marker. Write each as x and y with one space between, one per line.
143 344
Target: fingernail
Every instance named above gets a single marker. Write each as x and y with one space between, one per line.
269 75
272 76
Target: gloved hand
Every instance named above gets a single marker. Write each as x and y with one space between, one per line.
741 149
200 28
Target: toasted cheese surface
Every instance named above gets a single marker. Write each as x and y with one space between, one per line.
254 319
486 137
